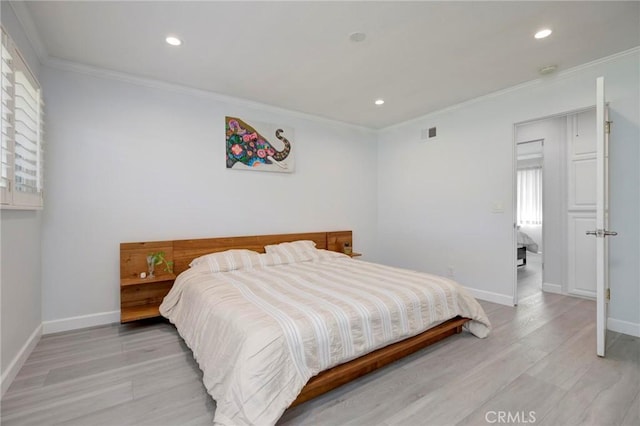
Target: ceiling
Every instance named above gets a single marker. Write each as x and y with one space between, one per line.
418 56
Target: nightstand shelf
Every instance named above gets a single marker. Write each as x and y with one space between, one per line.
140 298
134 313
136 281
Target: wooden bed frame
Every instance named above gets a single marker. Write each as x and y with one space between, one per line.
140 298
522 255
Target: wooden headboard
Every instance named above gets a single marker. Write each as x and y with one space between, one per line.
182 252
141 297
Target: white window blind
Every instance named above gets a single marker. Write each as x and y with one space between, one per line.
530 196
6 146
22 132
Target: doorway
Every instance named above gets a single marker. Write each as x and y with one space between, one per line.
562 150
529 216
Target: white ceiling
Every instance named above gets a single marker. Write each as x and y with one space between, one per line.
419 56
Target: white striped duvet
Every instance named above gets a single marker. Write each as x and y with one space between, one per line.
260 334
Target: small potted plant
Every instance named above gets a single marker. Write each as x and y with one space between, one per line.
346 248
158 258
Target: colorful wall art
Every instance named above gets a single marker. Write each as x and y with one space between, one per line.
258 146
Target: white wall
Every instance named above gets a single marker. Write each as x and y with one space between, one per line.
436 197
624 149
127 162
20 259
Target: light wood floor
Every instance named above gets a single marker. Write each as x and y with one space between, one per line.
530 276
540 358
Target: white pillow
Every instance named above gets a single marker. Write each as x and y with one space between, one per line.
228 260
296 251
278 254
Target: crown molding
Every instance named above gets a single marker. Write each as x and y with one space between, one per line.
538 81
33 36
30 29
26 21
66 65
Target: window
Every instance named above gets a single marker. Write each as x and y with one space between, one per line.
530 196
22 132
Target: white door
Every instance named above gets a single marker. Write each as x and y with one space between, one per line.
581 203
602 217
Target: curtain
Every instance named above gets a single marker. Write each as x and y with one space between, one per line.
530 196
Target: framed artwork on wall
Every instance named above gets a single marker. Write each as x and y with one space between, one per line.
258 146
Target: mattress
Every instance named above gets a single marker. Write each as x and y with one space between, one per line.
261 327
524 240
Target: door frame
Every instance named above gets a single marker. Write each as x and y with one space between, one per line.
602 216
514 192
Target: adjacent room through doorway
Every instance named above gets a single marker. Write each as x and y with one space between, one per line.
555 205
529 216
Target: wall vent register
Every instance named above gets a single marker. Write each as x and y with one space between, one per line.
428 133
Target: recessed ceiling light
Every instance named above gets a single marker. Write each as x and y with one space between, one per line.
357 37
543 33
173 40
379 101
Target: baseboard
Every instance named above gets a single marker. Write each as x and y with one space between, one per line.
490 296
552 288
83 321
624 327
16 364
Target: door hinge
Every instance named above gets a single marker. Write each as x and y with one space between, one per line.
607 127
608 294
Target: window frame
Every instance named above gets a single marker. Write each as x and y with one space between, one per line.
10 195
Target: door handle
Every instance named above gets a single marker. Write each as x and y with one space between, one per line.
602 233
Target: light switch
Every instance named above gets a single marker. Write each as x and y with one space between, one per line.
497 207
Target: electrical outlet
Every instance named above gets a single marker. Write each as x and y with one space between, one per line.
451 273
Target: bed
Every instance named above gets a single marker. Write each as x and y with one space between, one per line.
271 330
525 243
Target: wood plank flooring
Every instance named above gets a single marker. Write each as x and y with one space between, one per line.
540 359
530 276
